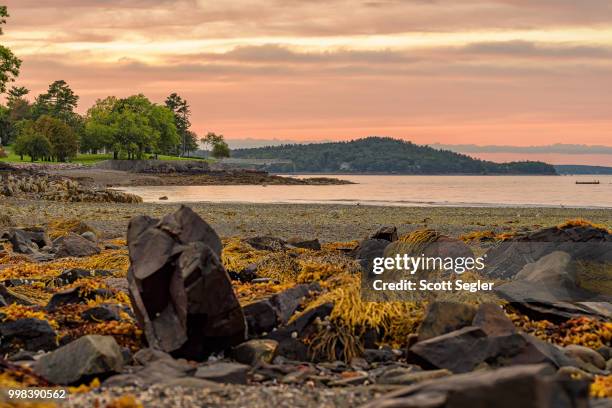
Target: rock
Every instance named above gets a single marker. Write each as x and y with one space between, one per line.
72 275
11 297
163 198
74 245
266 243
102 313
313 244
181 294
552 268
386 232
148 355
573 373
407 375
254 352
526 386
585 355
229 373
23 355
367 250
155 372
90 236
32 334
382 355
85 358
491 318
260 317
303 322
292 349
445 317
26 241
605 352
287 301
75 295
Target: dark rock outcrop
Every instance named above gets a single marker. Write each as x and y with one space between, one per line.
74 245
181 294
31 334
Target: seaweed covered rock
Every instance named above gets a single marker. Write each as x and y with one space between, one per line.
181 294
29 333
27 241
74 245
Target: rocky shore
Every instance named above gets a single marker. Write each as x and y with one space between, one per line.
166 312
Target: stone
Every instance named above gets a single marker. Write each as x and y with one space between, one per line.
266 243
367 250
11 297
491 318
73 245
90 236
148 355
75 295
260 317
386 232
87 357
32 334
254 352
72 275
286 302
181 294
525 386
585 355
554 267
155 372
102 313
445 317
407 376
313 244
26 241
382 355
223 372
303 322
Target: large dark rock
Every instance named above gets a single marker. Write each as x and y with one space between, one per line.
525 386
27 241
286 302
31 334
181 294
445 317
386 232
254 352
87 357
491 318
260 317
74 245
75 295
102 313
367 250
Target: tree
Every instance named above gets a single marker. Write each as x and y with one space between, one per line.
59 101
9 63
64 141
218 145
180 109
100 126
31 142
191 142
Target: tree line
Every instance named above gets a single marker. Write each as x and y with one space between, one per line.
49 128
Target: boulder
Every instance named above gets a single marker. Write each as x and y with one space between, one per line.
11 297
158 371
260 317
26 241
254 352
367 250
313 244
223 372
286 302
74 245
552 268
90 236
445 317
525 386
148 355
81 360
386 232
585 355
491 318
31 334
102 313
75 295
181 294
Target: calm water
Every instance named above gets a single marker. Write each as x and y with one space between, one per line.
408 191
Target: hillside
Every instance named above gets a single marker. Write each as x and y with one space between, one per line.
383 155
582 169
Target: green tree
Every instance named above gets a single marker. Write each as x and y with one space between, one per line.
64 141
31 142
9 63
161 119
100 126
219 148
181 111
59 101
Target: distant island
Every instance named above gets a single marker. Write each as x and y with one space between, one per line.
582 169
383 155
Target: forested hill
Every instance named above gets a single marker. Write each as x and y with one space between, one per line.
383 155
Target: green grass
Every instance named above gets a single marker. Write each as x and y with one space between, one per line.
86 159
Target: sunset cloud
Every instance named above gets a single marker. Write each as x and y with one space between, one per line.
470 71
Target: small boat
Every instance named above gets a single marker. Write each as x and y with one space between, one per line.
588 182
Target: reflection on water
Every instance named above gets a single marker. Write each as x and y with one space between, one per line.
408 191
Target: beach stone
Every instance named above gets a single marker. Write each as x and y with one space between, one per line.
75 295
34 334
102 313
90 236
491 318
525 386
313 244
260 317
585 355
74 245
302 324
24 242
181 294
84 358
148 355
286 302
386 232
222 372
382 355
367 250
256 351
154 372
554 267
445 317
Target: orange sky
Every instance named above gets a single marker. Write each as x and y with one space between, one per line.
511 72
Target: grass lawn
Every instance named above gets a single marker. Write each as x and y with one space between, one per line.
87 159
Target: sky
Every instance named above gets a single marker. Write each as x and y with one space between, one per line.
484 72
